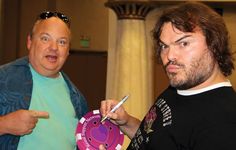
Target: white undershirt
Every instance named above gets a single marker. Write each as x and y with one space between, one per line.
211 87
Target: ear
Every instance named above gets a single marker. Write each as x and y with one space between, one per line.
29 41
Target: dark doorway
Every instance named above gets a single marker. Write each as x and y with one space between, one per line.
88 71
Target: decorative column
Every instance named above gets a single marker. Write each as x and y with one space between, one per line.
129 61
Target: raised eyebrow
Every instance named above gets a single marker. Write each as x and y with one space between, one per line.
44 33
64 38
186 36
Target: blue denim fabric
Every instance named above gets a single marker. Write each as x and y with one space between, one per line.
16 86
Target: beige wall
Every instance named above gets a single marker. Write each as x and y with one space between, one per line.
89 19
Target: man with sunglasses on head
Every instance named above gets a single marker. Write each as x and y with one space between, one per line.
198 110
39 105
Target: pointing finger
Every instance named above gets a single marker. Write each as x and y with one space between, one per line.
40 114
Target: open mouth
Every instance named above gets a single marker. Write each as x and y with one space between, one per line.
51 58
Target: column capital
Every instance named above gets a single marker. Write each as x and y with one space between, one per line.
127 9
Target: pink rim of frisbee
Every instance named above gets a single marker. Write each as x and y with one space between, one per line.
90 133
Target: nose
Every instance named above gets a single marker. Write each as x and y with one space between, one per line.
171 53
54 45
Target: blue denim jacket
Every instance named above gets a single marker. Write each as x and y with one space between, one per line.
16 86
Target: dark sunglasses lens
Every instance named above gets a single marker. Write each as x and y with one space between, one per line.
62 17
46 15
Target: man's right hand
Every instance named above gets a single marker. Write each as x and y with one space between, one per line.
20 122
127 123
119 117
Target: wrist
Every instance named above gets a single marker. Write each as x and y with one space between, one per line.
2 125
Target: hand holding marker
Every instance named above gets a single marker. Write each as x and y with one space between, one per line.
116 107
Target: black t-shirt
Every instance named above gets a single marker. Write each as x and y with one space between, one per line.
205 121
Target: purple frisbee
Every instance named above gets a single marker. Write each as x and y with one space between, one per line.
91 133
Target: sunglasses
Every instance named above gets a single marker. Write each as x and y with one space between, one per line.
48 14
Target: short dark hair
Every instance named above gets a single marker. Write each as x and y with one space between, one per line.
189 15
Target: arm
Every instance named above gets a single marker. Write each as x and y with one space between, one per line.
128 124
130 127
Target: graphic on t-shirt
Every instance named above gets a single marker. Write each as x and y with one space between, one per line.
166 112
149 119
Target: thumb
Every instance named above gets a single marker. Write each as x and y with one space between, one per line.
102 147
39 114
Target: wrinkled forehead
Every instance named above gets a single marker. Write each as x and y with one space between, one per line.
171 34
